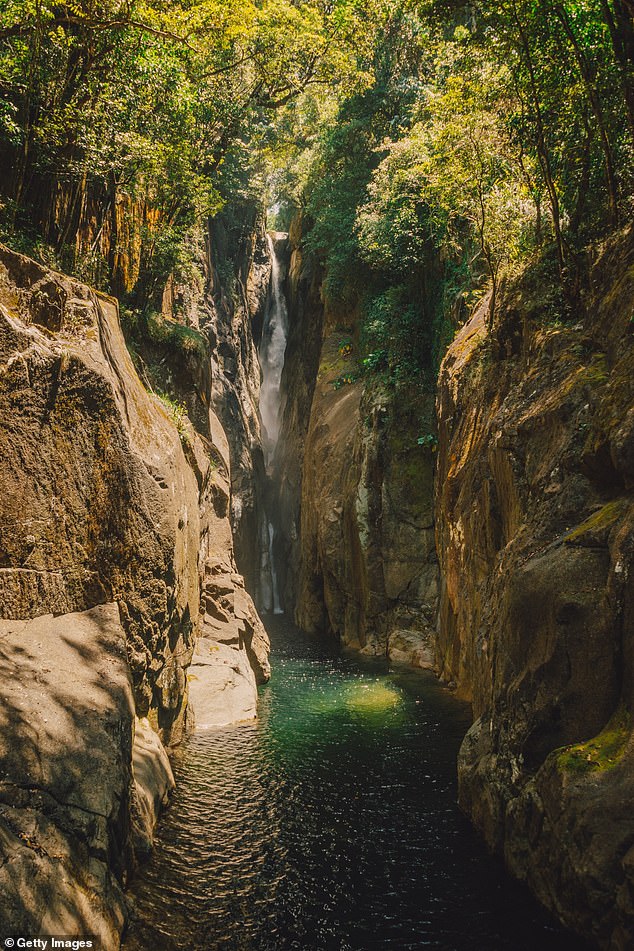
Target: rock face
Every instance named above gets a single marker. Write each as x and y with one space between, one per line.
67 720
299 376
221 372
98 501
231 655
115 549
238 307
356 489
535 518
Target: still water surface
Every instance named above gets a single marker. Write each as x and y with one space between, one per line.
330 825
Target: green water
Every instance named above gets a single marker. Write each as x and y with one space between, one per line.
330 824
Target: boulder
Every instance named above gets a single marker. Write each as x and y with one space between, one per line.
411 647
221 686
66 734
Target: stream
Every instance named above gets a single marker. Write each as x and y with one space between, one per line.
330 823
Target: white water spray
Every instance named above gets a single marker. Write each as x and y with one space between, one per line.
272 350
271 353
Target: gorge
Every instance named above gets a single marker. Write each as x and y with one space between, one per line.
316 324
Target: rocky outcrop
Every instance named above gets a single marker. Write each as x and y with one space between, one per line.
368 567
356 487
217 317
231 654
98 501
113 519
240 270
535 518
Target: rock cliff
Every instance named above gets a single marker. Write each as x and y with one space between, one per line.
299 375
535 533
356 486
115 554
224 303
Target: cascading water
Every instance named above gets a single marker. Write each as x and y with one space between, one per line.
271 354
272 350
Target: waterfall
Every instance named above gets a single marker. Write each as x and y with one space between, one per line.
271 354
272 350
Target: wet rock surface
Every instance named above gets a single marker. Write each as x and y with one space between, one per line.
153 783
535 530
299 376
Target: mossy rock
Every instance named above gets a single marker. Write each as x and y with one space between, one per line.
602 753
598 522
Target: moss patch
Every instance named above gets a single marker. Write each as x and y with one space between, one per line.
178 337
178 414
601 753
596 372
598 521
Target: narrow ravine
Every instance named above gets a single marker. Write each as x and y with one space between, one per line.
330 823
394 437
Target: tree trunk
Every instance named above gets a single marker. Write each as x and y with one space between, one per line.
542 149
620 25
585 72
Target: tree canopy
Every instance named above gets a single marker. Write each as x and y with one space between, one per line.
432 145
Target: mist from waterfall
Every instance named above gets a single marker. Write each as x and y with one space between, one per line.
271 354
272 350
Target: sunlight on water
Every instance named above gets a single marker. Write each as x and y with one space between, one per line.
365 699
371 699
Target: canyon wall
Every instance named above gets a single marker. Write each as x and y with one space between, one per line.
222 301
535 534
303 346
356 485
116 570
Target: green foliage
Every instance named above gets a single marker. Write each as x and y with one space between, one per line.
336 187
428 441
434 146
113 111
185 340
395 339
481 139
177 412
346 379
